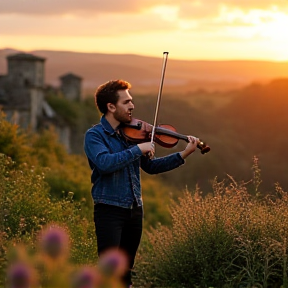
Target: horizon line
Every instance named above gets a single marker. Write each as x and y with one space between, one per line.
146 56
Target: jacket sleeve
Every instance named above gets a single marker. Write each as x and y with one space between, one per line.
101 158
161 164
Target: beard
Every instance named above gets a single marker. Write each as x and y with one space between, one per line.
123 117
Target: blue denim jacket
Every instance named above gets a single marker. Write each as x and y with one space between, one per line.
115 166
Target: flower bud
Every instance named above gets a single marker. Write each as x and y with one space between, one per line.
54 242
113 262
87 277
19 276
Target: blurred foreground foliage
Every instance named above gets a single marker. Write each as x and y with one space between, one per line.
48 265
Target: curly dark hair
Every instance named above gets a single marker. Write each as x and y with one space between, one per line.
107 93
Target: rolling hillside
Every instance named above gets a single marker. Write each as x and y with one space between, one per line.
144 72
251 120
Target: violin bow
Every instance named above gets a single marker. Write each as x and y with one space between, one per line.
165 57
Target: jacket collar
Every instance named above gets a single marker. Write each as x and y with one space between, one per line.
106 126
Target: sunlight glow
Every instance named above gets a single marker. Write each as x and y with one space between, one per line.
275 28
228 33
263 27
266 24
187 24
167 13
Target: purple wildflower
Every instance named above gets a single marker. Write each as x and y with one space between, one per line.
54 242
87 277
113 262
19 276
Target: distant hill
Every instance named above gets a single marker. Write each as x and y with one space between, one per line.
144 72
260 111
253 123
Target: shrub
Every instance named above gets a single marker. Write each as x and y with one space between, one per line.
229 238
12 140
27 207
63 172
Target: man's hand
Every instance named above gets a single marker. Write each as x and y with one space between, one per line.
147 148
191 146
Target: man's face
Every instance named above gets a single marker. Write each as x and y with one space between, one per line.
124 107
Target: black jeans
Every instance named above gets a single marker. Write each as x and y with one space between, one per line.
119 227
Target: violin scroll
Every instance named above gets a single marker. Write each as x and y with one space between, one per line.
203 147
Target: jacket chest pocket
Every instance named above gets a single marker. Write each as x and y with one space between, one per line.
116 145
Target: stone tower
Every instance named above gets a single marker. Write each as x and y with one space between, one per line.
71 86
26 69
24 89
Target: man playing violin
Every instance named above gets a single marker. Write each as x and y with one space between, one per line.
115 164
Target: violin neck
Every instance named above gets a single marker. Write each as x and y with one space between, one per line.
164 131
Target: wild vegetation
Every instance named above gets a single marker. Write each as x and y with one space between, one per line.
41 184
232 237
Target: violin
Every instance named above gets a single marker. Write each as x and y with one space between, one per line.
165 135
138 131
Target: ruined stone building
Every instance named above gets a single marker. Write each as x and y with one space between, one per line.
71 86
22 95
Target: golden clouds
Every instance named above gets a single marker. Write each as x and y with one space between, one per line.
194 29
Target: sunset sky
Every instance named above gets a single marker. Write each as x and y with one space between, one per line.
191 29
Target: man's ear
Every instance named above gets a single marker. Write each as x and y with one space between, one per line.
111 107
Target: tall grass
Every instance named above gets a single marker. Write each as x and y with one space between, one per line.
233 237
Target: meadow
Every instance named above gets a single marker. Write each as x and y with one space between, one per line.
232 237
